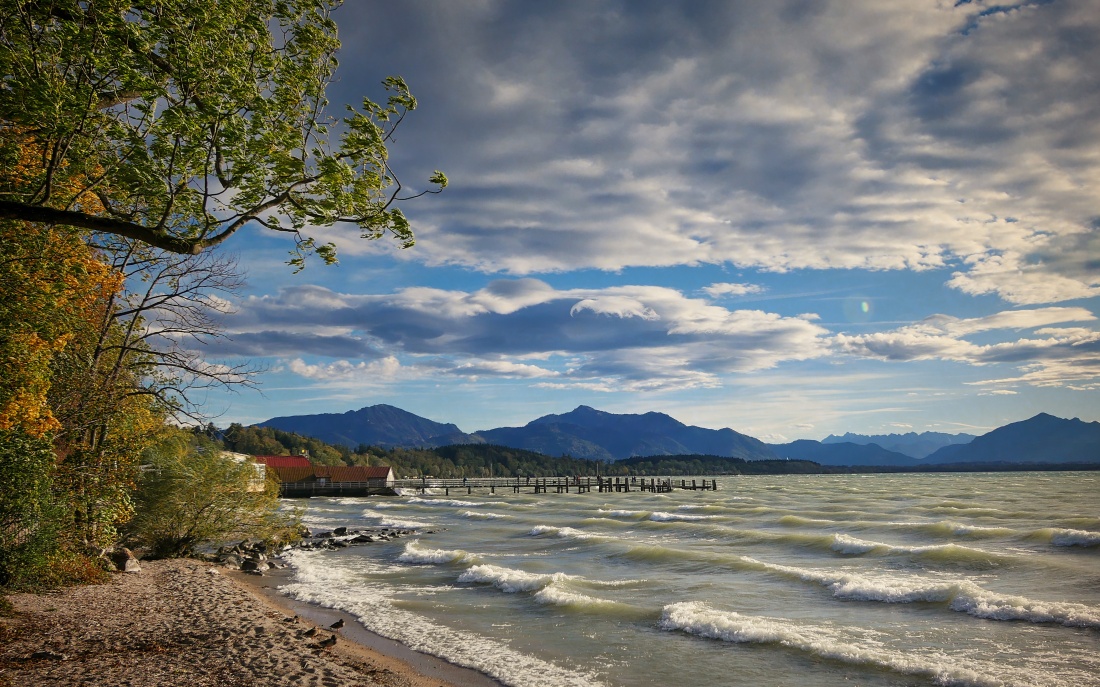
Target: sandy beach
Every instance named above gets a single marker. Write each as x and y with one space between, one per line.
186 622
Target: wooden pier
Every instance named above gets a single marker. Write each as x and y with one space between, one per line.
556 485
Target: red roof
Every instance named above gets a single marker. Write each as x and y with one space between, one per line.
283 461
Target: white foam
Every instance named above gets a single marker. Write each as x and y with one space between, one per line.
510 580
318 581
418 556
660 516
563 532
622 513
444 502
698 619
842 543
1065 537
483 516
554 594
961 595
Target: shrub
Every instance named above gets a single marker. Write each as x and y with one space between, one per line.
190 495
29 513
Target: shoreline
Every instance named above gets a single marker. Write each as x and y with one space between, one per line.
266 588
185 621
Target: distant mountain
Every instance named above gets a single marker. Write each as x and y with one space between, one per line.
597 435
1041 439
845 453
378 425
911 444
589 433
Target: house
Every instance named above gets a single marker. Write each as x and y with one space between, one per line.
298 477
259 476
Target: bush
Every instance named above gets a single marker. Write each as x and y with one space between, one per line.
29 513
190 496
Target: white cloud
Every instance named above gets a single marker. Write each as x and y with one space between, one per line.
718 290
937 136
346 372
502 368
619 306
1052 356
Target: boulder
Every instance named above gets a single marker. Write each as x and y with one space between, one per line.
340 531
125 561
251 564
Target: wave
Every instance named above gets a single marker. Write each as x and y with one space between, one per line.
483 516
320 582
846 544
1055 536
623 513
555 594
799 521
960 595
510 580
1066 537
418 556
698 619
563 532
659 516
387 520
441 502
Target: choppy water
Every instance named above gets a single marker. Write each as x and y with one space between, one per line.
954 579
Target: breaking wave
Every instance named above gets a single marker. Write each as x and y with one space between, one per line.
825 642
960 595
416 555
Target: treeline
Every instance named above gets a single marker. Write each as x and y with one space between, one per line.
469 460
484 460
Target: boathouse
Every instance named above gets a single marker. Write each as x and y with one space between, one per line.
300 478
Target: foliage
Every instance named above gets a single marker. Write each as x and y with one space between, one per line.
191 496
188 119
28 510
481 460
268 441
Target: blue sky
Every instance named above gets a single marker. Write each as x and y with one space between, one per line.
788 218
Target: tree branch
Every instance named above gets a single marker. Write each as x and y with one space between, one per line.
159 239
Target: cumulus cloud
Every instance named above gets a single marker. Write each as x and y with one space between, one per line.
346 372
871 135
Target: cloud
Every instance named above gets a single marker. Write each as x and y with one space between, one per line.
601 135
629 337
344 372
719 290
1049 356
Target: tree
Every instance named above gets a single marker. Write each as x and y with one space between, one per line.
188 119
155 328
191 495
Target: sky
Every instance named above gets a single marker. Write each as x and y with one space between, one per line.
788 218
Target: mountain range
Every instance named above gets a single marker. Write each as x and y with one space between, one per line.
911 443
597 435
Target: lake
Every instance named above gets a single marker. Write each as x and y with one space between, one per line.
900 579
